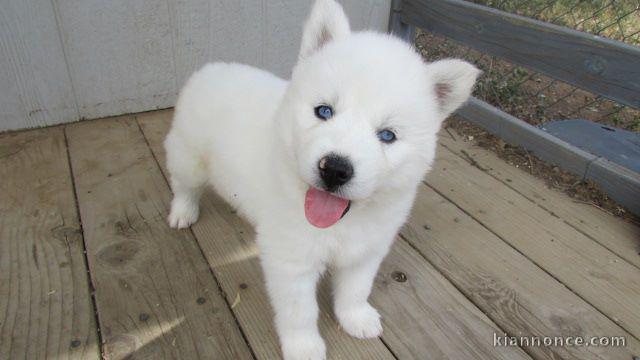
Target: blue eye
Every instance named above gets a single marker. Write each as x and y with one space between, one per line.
324 112
386 136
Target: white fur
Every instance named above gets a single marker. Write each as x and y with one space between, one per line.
254 137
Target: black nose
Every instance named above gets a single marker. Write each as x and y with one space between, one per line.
335 170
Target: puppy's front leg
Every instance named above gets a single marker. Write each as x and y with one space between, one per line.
292 289
352 286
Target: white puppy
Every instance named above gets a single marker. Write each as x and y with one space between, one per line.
325 166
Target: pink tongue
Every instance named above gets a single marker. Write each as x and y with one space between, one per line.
323 209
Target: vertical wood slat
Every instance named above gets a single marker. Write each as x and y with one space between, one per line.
397 27
69 60
35 88
155 294
45 304
120 54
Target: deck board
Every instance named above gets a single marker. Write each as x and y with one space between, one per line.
45 305
228 241
155 295
619 236
583 265
422 315
484 251
519 296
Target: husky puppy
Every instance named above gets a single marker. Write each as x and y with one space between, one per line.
325 166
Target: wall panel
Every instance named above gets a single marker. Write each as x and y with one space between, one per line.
65 60
35 89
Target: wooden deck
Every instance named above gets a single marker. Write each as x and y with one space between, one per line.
90 269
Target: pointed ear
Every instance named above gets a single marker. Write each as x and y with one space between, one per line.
453 81
327 22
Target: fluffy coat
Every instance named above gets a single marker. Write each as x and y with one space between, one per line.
256 140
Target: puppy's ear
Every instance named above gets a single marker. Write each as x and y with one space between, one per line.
327 22
453 81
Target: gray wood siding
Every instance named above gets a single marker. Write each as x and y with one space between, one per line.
35 88
66 60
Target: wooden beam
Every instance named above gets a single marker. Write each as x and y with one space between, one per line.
45 304
621 184
605 67
397 27
516 131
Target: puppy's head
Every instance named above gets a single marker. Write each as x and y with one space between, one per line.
362 112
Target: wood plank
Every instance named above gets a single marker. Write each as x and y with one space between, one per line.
621 237
190 22
126 47
45 304
515 131
235 31
228 243
602 66
584 266
620 184
52 54
397 27
519 296
204 31
426 317
155 294
35 88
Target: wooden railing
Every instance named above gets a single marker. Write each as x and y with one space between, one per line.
604 67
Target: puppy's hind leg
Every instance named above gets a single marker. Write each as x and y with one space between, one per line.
185 207
188 178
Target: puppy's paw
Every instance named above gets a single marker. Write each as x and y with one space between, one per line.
183 213
362 322
303 347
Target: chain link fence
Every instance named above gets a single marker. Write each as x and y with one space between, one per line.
534 97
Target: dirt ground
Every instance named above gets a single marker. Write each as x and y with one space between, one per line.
556 178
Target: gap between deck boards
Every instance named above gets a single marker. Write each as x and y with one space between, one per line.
442 259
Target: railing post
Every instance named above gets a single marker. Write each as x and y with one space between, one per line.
396 27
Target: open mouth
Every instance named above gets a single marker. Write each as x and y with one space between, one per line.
323 209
